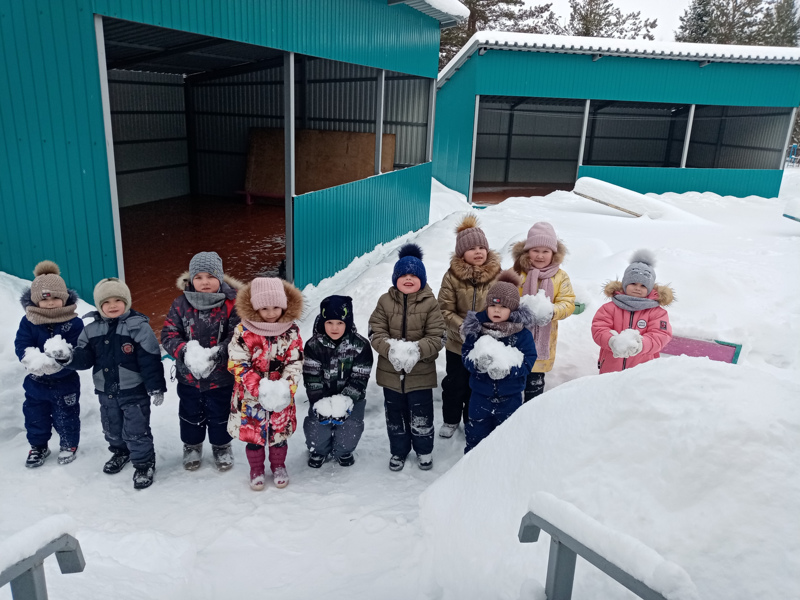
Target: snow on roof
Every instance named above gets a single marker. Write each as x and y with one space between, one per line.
563 44
447 12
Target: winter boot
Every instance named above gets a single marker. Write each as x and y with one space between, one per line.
192 455
281 477
425 461
37 456
117 461
447 430
223 457
256 459
143 476
315 461
346 460
67 455
396 463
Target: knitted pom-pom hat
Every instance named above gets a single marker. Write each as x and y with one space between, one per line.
266 292
504 291
48 283
410 263
469 235
641 270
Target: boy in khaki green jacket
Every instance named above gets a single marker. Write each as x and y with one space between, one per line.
407 330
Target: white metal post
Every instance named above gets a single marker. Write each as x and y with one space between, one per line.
288 157
687 137
474 146
583 136
431 121
788 138
112 167
381 83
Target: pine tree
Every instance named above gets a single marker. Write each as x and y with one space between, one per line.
781 24
600 18
722 22
498 15
695 22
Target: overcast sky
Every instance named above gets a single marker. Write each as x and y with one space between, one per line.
666 11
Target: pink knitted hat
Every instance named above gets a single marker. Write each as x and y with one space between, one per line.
267 291
542 234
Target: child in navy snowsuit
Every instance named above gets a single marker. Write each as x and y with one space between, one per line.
51 393
123 352
336 367
497 382
196 333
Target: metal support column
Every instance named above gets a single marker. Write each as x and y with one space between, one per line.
112 167
687 138
381 87
474 144
560 571
191 135
288 158
788 139
583 136
31 585
509 144
431 120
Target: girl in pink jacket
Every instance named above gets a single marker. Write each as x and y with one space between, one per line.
634 327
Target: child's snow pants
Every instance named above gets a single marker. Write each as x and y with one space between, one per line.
455 390
52 404
331 438
200 411
486 414
409 421
126 425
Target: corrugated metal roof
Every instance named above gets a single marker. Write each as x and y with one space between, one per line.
449 13
528 42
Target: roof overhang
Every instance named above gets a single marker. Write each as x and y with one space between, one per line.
449 13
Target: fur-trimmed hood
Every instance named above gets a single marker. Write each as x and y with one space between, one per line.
26 301
476 273
184 283
663 293
522 263
294 304
473 322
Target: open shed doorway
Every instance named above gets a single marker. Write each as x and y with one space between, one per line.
181 107
525 146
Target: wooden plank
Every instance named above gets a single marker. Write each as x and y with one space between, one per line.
625 210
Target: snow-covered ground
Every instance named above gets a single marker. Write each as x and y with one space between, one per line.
695 459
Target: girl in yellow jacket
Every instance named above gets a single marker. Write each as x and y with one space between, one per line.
538 261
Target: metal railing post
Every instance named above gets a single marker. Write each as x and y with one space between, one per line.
560 571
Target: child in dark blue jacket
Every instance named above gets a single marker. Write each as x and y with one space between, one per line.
499 352
123 351
51 393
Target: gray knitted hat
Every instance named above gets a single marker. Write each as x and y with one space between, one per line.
111 287
640 270
206 262
504 291
48 283
469 235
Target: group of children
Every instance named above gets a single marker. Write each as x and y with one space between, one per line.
240 359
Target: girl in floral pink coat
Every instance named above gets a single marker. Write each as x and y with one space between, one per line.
266 359
634 327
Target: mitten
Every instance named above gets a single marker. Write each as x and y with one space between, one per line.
58 349
157 398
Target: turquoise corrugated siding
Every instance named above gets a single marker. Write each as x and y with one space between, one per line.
333 226
725 182
538 74
54 186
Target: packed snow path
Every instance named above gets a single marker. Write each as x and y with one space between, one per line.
357 532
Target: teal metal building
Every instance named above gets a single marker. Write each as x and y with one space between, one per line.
106 104
517 110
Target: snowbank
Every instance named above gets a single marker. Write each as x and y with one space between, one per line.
695 459
445 201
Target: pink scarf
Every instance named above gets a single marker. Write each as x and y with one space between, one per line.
541 335
267 329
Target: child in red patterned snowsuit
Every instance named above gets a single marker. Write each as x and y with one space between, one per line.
266 359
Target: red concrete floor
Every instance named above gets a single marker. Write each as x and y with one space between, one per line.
485 194
159 238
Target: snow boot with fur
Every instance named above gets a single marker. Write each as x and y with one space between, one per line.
256 459
192 456
223 457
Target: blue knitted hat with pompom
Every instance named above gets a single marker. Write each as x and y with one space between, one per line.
410 263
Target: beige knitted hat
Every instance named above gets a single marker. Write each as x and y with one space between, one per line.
48 283
111 287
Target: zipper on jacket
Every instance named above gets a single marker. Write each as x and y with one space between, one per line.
405 310
630 326
474 294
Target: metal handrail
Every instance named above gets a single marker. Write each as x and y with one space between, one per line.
27 576
564 550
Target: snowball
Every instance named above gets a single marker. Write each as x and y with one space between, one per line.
38 363
625 344
58 347
494 357
200 360
274 396
540 306
335 407
403 355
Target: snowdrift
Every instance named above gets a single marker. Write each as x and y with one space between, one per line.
693 458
